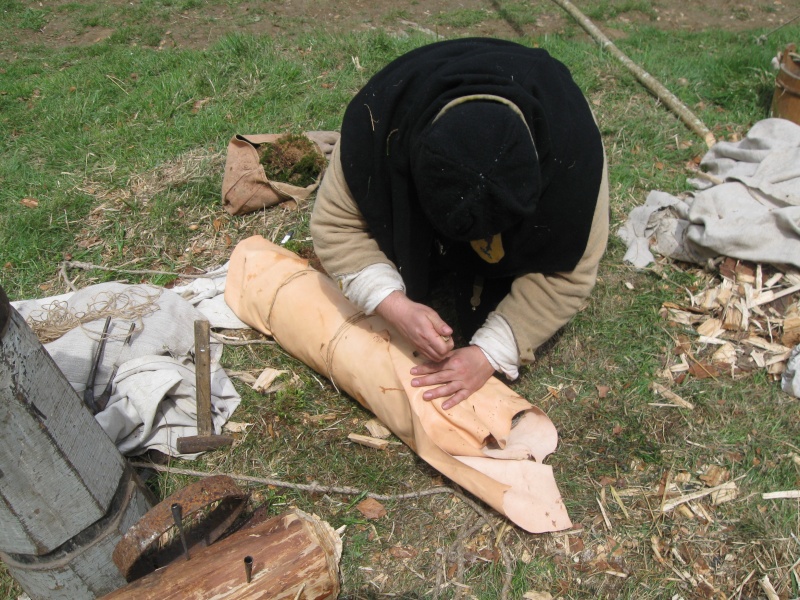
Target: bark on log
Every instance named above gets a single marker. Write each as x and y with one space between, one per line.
647 80
294 555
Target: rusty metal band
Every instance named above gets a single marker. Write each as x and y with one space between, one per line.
131 554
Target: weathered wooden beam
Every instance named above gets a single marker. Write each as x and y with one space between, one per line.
58 468
66 495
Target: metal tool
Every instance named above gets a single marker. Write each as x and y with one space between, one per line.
211 505
177 518
205 438
88 392
248 568
102 400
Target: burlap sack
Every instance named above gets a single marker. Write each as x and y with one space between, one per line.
245 186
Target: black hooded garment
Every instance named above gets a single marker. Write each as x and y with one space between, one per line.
386 118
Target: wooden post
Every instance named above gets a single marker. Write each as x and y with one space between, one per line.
61 477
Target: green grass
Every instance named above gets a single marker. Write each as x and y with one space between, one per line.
123 145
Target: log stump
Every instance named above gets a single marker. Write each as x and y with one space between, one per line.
292 556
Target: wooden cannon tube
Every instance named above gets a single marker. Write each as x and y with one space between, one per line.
474 444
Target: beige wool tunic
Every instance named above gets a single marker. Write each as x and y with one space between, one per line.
537 306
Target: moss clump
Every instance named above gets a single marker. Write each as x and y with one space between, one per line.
292 158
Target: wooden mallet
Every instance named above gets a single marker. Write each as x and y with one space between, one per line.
205 439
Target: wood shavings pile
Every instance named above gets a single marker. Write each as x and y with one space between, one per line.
746 319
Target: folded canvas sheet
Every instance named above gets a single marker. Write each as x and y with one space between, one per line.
492 444
153 395
753 214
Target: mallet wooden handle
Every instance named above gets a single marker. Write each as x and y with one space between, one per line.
205 439
202 367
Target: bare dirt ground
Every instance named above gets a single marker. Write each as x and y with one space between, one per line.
204 23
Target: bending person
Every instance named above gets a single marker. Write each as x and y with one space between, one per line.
479 158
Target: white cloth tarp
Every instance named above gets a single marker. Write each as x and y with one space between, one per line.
153 393
790 380
752 214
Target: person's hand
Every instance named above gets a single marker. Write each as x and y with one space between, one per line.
419 324
459 375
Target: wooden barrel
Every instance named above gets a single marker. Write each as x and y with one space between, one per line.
786 98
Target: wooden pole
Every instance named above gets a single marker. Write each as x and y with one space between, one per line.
647 80
60 475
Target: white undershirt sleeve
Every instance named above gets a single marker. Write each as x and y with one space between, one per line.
369 287
498 344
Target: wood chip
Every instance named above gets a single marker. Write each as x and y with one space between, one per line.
715 475
377 429
236 427
726 354
771 296
773 280
724 493
671 504
402 552
781 495
711 328
711 340
324 417
733 319
725 292
745 273
791 332
759 342
670 395
766 585
266 378
370 442
534 595
779 358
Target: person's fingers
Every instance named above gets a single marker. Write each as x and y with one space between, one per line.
440 326
439 348
442 391
456 398
425 369
432 377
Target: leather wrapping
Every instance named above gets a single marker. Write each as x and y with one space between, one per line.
473 444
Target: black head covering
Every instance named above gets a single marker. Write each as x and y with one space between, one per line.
475 170
392 118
